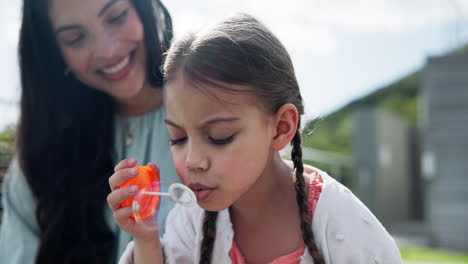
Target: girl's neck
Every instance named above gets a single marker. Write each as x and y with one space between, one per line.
148 99
271 195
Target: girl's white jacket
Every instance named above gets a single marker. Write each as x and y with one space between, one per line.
345 231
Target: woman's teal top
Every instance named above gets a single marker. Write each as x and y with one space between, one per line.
142 137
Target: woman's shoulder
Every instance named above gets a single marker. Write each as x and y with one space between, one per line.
345 229
18 201
15 185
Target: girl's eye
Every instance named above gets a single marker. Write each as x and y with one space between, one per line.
177 141
222 141
119 18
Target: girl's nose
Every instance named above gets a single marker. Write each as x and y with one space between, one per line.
196 160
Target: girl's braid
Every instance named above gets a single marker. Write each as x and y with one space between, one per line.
209 236
301 197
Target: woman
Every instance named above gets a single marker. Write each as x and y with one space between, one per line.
90 96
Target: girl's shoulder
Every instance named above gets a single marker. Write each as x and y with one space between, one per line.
189 221
334 195
314 175
189 218
183 235
345 229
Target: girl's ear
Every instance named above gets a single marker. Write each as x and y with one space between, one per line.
286 119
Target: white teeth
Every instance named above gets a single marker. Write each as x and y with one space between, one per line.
118 67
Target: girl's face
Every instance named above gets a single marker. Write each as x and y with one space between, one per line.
220 145
102 42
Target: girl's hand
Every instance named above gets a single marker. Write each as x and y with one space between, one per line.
124 171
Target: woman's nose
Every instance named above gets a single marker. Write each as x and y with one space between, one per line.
105 47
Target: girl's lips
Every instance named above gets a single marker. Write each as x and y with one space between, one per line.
201 191
121 74
203 194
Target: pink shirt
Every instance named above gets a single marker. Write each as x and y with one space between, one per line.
315 188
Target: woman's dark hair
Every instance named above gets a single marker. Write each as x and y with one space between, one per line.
242 51
65 137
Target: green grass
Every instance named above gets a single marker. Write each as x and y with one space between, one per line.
434 255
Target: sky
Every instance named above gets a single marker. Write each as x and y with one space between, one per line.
341 49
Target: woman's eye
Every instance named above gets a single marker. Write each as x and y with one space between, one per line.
177 141
119 18
222 141
74 41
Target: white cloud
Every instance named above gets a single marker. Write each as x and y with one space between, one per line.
308 41
10 14
311 26
10 21
355 15
386 16
365 15
10 32
297 36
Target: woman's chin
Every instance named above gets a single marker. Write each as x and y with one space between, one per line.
123 91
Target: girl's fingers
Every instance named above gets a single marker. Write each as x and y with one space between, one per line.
126 163
122 216
115 198
121 176
154 167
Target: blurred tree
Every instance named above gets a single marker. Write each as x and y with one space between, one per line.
7 140
334 131
7 148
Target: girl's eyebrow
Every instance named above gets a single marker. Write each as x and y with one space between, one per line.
219 119
171 123
206 123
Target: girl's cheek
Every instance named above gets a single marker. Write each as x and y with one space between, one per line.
179 166
181 172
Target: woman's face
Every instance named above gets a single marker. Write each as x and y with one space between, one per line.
102 42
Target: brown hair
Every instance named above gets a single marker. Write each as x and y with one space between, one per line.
65 123
242 51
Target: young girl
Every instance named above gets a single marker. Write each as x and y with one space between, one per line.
232 103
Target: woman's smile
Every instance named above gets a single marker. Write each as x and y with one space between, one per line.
120 70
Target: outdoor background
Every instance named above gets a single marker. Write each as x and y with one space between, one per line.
385 83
